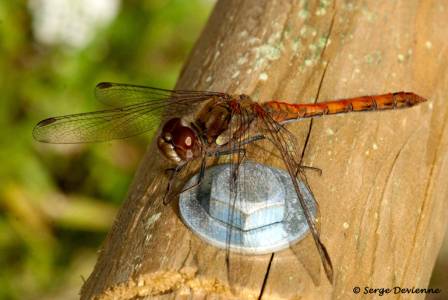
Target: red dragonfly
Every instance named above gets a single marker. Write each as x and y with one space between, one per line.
219 124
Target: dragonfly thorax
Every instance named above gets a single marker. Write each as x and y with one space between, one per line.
213 120
178 142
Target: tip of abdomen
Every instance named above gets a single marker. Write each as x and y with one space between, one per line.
406 99
416 99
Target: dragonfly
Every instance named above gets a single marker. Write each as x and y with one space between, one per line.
201 124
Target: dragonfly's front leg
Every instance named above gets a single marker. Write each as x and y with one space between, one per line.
178 169
174 172
200 176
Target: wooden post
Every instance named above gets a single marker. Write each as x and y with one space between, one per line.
383 190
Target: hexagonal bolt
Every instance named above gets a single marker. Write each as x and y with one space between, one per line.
259 201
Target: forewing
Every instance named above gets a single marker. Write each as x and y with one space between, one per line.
120 94
117 123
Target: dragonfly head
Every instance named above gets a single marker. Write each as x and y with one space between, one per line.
178 142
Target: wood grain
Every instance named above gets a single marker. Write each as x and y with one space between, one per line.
383 192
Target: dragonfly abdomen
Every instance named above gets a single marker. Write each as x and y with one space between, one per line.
282 111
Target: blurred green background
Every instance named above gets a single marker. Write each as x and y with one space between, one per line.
58 201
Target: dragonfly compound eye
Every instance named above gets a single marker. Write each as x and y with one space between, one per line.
178 142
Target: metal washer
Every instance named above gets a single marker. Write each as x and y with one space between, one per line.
267 239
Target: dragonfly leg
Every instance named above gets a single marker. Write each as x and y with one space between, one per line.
169 171
224 151
228 152
219 153
192 186
173 172
200 176
314 169
252 139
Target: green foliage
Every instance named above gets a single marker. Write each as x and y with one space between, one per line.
57 202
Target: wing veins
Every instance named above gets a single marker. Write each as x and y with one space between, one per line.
289 161
65 125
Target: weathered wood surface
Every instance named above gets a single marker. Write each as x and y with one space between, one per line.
383 192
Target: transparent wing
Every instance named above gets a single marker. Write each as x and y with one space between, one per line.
97 126
118 123
236 145
120 94
284 141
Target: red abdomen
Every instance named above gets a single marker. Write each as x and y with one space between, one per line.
282 111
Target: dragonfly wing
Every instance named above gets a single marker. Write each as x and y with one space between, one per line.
236 146
284 141
116 123
96 126
120 94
